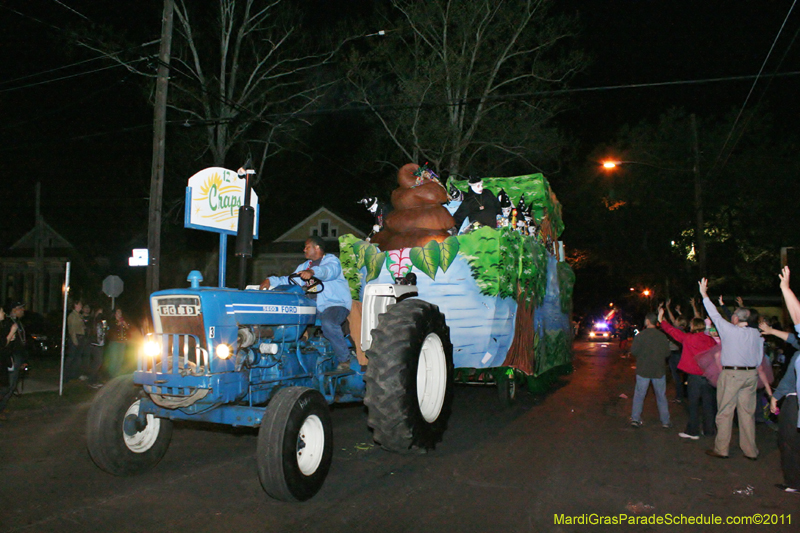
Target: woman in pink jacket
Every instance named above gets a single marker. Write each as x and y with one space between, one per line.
699 389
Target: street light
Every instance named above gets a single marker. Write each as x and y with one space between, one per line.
610 164
647 293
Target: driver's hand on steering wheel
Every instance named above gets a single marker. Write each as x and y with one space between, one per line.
264 285
306 274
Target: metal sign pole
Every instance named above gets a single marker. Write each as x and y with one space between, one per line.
223 257
64 330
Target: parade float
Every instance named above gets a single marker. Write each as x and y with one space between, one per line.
506 292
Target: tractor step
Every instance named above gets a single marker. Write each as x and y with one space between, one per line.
339 373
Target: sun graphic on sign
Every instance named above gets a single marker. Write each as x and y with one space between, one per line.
213 180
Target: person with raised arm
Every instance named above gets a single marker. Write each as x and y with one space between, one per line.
742 350
788 421
700 392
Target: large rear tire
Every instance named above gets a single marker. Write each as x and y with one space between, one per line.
114 441
295 444
409 378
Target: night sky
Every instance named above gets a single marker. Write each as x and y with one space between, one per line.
88 136
646 42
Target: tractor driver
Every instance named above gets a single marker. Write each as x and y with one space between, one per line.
333 303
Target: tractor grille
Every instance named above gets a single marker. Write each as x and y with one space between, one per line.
178 370
178 354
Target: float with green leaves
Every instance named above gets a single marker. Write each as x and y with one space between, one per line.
505 295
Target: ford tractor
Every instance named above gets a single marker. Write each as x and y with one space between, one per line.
255 358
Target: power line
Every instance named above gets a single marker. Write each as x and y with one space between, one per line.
64 67
69 33
752 88
65 6
760 99
400 107
70 76
72 103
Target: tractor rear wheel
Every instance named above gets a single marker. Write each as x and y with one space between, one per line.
409 378
507 389
295 444
116 440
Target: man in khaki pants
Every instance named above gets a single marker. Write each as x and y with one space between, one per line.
742 350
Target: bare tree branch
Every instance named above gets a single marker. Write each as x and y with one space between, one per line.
452 72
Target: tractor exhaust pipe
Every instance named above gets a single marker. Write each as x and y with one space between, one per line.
244 235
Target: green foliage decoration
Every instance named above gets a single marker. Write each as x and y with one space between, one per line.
556 351
360 248
447 252
566 284
426 258
373 260
533 271
503 262
349 259
481 248
510 248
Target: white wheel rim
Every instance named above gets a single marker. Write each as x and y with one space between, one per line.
431 378
310 445
143 440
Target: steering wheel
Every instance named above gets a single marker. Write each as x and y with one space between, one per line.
314 285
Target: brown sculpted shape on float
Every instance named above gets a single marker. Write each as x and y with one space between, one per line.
405 176
430 193
433 217
418 215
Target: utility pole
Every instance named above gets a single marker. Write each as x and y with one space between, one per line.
700 234
159 136
38 255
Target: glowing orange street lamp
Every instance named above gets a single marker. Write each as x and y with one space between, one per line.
646 292
610 164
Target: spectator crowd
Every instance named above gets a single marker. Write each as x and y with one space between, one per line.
724 364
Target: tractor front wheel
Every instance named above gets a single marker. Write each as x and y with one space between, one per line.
117 440
295 444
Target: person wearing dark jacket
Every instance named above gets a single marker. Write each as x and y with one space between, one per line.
788 420
12 351
651 349
479 205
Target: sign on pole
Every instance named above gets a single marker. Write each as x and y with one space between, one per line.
112 287
213 198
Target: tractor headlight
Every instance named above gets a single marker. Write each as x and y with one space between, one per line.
152 348
223 351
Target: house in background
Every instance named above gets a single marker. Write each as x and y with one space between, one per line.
282 255
33 268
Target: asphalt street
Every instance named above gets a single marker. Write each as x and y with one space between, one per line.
570 453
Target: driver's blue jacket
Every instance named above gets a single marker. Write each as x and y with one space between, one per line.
336 292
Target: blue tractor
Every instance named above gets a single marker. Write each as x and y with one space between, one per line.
254 358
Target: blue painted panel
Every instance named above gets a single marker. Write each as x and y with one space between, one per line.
481 327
